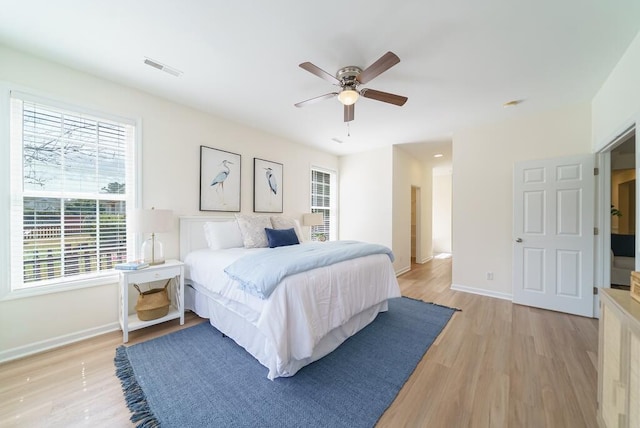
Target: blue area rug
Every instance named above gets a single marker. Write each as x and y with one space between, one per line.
198 378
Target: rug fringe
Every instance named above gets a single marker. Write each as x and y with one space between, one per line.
434 304
447 307
134 396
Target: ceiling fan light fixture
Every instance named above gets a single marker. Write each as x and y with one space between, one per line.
348 96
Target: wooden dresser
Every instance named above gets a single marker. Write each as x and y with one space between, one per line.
619 360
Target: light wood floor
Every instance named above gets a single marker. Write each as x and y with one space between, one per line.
495 365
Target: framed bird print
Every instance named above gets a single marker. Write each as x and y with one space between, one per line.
267 186
219 180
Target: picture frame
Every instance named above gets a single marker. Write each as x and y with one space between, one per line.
220 179
267 186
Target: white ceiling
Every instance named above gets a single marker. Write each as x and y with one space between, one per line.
460 59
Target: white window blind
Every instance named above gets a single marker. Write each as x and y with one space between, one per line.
71 181
323 201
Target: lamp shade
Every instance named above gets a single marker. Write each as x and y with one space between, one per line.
313 219
348 96
151 220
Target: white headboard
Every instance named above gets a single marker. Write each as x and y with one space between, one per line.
192 232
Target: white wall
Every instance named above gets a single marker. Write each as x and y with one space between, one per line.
171 136
442 192
375 201
616 106
483 184
365 196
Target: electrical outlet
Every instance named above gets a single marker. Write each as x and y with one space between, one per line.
490 275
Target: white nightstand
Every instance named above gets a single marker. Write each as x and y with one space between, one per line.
171 269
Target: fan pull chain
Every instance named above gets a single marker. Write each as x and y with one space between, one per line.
348 130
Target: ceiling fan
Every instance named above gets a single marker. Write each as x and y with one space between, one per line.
350 78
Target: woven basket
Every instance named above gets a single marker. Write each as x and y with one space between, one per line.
152 304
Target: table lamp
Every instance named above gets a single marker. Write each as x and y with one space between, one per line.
152 221
314 219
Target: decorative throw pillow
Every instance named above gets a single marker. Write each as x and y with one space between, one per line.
252 228
281 237
223 234
282 222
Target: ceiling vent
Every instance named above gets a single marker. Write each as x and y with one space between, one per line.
163 67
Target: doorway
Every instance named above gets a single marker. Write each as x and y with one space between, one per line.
622 233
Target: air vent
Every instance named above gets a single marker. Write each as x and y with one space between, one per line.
163 67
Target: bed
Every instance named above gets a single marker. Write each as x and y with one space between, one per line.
308 314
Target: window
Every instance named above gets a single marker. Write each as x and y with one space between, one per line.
323 200
71 182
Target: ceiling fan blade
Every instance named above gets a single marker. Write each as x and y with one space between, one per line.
314 69
385 97
349 112
316 99
384 63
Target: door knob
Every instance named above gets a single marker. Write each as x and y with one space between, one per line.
518 239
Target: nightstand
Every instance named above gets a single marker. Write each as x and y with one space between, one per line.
171 269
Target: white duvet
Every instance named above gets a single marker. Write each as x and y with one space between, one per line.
303 309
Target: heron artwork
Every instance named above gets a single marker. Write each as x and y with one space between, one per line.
222 176
271 179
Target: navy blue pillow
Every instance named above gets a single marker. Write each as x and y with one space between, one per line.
281 237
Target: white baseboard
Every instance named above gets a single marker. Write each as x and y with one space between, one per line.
56 342
403 270
482 292
408 268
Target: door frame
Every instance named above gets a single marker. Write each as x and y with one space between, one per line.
602 270
418 214
602 273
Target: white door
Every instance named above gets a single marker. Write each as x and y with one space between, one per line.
554 234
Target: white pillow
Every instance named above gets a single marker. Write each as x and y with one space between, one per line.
223 234
282 222
252 229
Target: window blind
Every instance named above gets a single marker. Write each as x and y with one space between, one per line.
71 182
323 201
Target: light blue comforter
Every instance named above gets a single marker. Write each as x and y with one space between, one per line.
260 273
